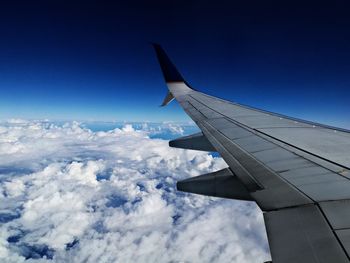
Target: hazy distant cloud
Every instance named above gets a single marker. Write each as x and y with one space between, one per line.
72 195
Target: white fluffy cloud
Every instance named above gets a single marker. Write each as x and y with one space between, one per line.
72 195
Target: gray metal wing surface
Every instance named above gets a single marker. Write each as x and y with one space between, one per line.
296 171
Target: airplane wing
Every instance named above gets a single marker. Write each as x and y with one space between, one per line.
296 171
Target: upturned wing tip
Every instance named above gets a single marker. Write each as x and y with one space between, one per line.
170 73
168 98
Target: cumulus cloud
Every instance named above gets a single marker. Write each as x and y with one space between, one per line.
69 194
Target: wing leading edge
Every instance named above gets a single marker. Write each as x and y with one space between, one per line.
296 171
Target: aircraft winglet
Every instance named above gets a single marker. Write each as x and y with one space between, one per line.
170 73
168 98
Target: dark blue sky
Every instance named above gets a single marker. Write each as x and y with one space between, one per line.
92 60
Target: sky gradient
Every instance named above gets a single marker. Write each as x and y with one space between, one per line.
93 61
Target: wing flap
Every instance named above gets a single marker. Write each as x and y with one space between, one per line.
302 234
337 213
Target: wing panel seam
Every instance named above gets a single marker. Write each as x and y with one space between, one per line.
281 141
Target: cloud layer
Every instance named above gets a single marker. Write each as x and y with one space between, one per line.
69 194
